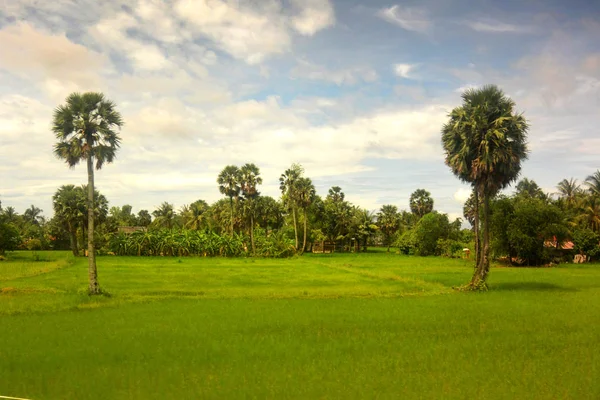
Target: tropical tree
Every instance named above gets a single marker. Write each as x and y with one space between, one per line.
164 216
33 215
528 188
421 202
287 185
228 181
249 180
304 196
485 142
69 207
364 226
269 213
195 215
86 129
593 183
10 215
388 222
568 189
143 218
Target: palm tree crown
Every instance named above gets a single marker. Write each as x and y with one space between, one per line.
593 182
87 124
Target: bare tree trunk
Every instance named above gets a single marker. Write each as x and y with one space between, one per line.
94 288
295 225
305 228
73 240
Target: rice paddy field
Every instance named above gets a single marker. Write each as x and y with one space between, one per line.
373 325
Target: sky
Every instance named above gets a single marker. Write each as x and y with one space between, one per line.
355 91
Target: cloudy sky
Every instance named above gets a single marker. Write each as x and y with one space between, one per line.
355 91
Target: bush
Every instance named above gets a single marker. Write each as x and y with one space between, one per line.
428 231
586 242
9 237
406 243
449 248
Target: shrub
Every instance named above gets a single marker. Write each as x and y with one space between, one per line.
449 248
406 243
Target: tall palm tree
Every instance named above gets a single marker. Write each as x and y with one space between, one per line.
33 215
287 185
568 189
86 129
388 222
485 142
228 181
249 180
68 208
421 202
593 183
304 196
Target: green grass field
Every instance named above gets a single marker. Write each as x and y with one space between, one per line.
370 325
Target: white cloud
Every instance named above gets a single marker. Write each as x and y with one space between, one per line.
411 19
492 26
112 34
313 16
403 70
464 88
462 194
247 34
345 76
53 59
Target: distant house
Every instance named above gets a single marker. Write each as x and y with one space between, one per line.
131 229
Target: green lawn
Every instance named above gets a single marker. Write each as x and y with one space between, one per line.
372 325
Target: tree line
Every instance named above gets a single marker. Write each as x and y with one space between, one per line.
484 140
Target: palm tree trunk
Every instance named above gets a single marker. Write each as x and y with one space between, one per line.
73 240
476 222
231 207
483 267
295 225
94 288
305 226
252 234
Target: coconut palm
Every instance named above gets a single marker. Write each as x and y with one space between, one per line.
195 215
485 142
69 208
365 226
228 181
287 185
33 215
10 214
593 183
568 189
304 196
388 222
249 180
164 216
86 129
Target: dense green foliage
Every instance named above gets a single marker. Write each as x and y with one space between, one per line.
185 242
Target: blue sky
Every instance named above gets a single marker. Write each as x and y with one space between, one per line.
355 91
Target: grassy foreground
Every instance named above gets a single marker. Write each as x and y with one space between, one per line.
341 326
